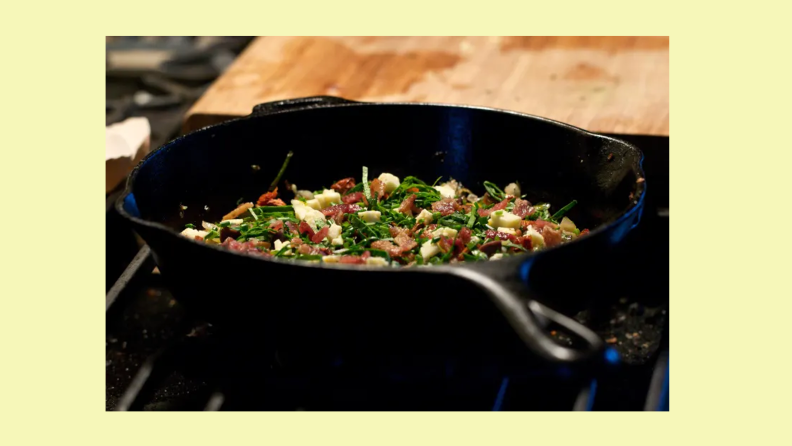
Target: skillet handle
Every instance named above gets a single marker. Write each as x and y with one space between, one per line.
298 103
522 317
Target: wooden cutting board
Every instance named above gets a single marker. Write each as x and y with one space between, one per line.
602 84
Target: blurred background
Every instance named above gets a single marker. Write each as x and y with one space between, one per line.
161 77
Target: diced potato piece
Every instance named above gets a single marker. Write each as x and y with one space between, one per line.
391 182
429 249
567 225
313 217
376 261
512 189
445 232
370 216
334 231
300 209
280 245
445 191
330 197
537 241
192 233
504 219
424 216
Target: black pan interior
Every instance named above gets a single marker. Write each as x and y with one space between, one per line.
551 161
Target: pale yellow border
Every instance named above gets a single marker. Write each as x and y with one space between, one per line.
728 265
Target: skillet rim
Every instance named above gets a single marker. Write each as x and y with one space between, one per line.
636 205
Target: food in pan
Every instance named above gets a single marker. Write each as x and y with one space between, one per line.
390 221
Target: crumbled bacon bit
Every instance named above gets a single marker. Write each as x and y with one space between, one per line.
305 228
365 255
464 235
405 242
246 247
407 206
445 244
446 206
352 198
320 235
352 259
341 208
493 234
527 243
306 249
610 157
277 225
522 208
267 196
497 207
292 227
343 186
583 232
491 248
390 248
540 225
377 189
460 245
275 202
551 237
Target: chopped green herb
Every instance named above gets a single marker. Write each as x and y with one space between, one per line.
494 191
561 212
366 189
281 171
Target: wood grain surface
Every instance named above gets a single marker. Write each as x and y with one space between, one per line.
602 84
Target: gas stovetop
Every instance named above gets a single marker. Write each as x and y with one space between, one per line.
158 358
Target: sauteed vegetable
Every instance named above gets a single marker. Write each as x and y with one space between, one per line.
390 221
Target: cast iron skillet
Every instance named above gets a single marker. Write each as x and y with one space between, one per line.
421 310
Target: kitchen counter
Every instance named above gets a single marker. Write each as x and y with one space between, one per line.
602 84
